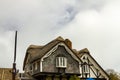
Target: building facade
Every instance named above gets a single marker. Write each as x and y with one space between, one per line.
57 60
6 74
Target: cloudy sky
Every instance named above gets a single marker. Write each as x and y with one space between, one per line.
92 24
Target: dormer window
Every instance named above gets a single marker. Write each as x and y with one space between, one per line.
61 62
85 68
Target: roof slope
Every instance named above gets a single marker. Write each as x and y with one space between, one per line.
39 51
86 51
82 52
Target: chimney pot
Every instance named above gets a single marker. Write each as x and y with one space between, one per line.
69 43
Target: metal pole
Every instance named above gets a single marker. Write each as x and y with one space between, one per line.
15 46
14 64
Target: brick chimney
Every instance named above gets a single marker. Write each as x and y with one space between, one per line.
68 43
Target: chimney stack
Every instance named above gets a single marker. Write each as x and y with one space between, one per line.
68 43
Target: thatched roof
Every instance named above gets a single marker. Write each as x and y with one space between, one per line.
37 52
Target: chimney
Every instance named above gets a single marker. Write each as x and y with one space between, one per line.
68 43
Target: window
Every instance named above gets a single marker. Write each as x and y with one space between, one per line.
85 65
61 62
85 68
30 67
35 65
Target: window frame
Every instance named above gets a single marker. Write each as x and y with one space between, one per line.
61 62
86 68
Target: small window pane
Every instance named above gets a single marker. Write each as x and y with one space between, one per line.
85 69
30 67
61 62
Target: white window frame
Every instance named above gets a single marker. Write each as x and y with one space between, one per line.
86 68
61 62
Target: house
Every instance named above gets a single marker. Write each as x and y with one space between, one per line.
57 60
5 74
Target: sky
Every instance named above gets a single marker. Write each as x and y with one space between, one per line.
92 24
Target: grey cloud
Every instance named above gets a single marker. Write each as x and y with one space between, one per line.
85 22
97 5
98 31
